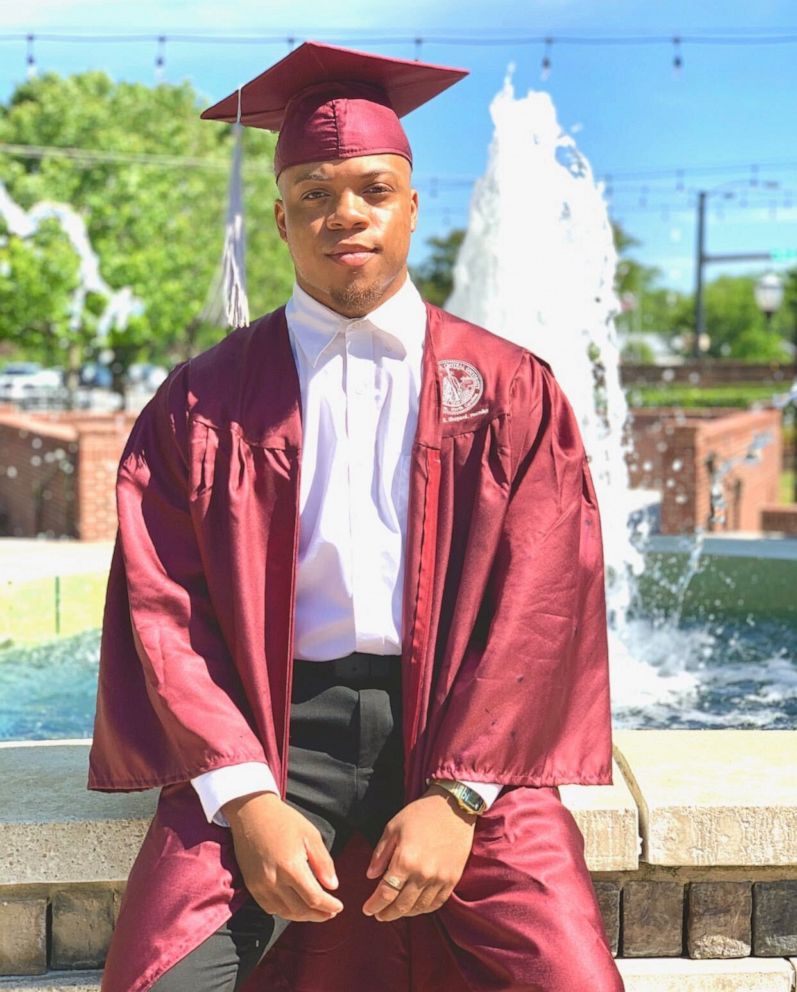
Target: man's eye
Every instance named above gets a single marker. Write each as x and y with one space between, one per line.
313 194
378 188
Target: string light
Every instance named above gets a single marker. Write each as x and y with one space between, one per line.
31 70
677 59
418 42
546 60
160 59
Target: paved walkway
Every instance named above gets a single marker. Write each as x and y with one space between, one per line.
25 559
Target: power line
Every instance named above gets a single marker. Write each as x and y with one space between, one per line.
478 39
88 157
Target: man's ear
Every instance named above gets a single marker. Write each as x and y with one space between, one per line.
279 217
414 209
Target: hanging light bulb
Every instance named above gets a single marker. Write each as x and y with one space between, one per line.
418 43
32 67
291 43
160 59
677 60
546 60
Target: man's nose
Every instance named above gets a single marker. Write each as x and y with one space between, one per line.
349 209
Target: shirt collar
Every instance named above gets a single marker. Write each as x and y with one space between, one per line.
400 319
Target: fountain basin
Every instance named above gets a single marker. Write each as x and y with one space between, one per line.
738 575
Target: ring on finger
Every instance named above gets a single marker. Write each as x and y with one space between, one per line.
393 882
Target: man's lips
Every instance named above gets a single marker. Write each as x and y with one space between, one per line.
352 256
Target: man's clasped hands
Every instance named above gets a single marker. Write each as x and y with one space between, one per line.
287 868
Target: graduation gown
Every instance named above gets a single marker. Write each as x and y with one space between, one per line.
504 663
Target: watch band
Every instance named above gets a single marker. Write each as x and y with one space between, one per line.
467 799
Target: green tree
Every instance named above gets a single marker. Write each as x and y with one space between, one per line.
37 278
157 228
736 327
434 277
648 306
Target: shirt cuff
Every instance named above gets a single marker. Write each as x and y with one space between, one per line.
487 790
219 786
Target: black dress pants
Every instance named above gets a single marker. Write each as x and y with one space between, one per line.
345 772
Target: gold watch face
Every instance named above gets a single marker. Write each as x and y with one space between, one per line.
471 799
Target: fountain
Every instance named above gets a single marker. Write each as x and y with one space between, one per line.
537 265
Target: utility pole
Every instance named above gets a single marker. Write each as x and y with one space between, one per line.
700 314
702 259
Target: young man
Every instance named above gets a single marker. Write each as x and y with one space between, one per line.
356 615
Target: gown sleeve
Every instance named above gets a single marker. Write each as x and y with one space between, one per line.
530 704
170 704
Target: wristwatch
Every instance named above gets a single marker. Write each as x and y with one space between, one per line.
467 799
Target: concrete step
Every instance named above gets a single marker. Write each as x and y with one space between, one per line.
725 975
639 975
53 981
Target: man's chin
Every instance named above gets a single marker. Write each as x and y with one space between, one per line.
357 299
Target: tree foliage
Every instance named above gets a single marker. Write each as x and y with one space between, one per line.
735 326
435 276
157 228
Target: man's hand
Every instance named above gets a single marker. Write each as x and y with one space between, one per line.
425 846
282 857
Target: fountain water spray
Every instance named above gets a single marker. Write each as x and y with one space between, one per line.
120 305
537 266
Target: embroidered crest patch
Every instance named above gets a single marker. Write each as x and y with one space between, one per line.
462 386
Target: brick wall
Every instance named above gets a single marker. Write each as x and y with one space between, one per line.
57 473
733 914
57 470
673 453
780 519
708 372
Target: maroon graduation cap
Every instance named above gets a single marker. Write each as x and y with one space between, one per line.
329 102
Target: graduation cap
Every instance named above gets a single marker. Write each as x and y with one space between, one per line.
327 103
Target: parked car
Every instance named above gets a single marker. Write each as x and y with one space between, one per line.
28 384
96 376
145 375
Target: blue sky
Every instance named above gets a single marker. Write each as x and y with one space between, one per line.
731 105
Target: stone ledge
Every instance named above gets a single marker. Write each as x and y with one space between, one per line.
685 975
713 797
607 817
54 981
58 831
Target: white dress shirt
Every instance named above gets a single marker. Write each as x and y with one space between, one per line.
360 383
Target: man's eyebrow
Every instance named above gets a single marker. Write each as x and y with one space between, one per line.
315 176
312 175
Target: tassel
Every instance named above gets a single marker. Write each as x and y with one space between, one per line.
233 261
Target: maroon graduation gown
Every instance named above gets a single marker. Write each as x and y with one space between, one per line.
504 667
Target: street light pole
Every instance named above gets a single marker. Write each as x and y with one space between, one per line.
700 251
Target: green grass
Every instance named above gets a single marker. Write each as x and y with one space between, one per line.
679 394
45 608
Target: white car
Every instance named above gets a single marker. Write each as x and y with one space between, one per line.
27 384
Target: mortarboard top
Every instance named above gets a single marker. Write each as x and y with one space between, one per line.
329 102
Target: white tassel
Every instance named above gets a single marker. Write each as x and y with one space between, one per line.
233 261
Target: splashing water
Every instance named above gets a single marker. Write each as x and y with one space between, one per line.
537 266
120 305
